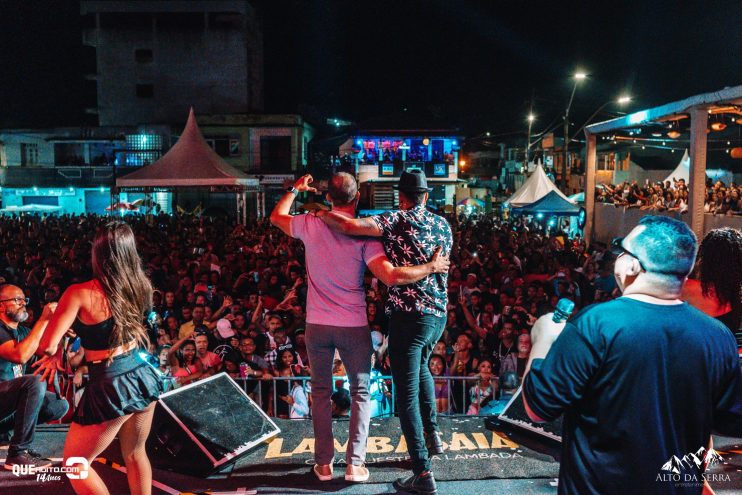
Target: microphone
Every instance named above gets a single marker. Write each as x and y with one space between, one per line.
563 309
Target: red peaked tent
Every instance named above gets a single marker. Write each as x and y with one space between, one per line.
190 163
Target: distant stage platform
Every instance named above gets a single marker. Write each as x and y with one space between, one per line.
476 460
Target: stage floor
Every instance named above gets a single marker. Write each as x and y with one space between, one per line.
476 461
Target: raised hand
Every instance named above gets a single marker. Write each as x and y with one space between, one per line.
302 185
48 311
48 366
462 300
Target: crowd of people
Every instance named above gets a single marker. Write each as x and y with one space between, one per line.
720 199
233 298
244 300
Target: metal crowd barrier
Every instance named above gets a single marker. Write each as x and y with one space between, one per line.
382 396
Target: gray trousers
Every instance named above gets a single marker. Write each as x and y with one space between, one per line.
354 346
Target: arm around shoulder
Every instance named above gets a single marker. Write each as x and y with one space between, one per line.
391 275
349 226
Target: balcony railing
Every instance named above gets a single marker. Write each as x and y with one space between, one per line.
43 176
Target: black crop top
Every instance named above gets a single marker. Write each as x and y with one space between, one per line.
94 337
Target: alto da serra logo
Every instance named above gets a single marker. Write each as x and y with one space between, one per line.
690 470
697 460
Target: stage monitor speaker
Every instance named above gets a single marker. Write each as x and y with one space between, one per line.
514 416
203 427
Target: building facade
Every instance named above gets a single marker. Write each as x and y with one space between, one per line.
378 157
75 168
72 169
155 59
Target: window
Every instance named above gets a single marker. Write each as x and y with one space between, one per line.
221 146
141 158
224 146
234 147
275 153
143 142
69 154
145 91
29 154
143 55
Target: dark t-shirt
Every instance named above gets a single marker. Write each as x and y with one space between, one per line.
638 384
410 238
9 370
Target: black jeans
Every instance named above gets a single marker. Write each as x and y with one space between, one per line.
21 398
51 410
411 340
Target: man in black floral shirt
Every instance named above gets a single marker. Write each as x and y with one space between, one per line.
417 313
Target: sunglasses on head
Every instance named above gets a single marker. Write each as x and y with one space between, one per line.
618 249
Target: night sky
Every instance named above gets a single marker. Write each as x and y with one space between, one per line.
467 64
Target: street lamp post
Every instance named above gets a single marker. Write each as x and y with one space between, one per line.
580 76
531 118
623 100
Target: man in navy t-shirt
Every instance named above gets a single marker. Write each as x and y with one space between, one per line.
639 379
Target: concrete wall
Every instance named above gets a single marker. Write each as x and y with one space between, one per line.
611 221
12 148
208 66
250 129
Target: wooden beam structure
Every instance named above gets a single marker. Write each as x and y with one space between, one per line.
698 108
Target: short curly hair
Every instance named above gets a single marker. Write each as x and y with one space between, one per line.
665 246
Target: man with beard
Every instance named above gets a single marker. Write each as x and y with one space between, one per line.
24 401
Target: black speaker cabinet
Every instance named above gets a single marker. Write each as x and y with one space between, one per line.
203 427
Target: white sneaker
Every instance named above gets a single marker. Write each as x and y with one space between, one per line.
356 474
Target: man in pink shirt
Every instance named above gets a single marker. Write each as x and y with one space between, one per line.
336 313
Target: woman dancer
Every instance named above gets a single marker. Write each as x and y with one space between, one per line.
717 288
108 315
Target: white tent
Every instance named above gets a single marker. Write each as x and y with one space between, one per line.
532 165
682 171
536 187
31 208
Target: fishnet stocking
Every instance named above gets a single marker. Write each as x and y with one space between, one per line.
89 441
132 436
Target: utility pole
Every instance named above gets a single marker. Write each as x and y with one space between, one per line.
565 157
565 161
531 118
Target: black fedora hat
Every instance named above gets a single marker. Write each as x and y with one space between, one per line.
413 181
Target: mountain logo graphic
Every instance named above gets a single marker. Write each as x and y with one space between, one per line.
692 460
